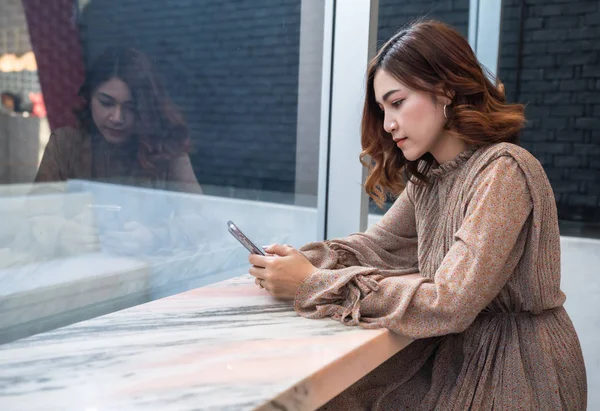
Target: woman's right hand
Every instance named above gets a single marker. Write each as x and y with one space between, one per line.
79 235
55 235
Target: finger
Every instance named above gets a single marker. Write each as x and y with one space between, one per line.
258 260
87 249
280 250
79 230
117 236
124 248
259 282
79 247
83 239
121 244
265 247
257 272
131 226
76 245
267 285
74 224
83 218
83 231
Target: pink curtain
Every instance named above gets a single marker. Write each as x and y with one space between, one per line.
55 41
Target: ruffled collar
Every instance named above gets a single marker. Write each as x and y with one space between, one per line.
440 170
129 149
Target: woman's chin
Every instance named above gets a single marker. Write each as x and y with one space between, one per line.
116 138
410 155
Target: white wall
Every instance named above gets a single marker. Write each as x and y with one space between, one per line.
581 283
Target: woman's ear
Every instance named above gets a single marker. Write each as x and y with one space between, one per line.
444 99
444 96
449 96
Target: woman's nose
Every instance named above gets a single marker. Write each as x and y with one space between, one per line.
390 125
117 115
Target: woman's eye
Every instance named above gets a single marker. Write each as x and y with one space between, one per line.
397 103
105 103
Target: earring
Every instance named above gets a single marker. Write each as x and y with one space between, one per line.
445 115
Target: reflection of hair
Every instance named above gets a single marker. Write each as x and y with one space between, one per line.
159 127
432 57
10 101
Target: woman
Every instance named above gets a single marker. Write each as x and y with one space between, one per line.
467 260
130 133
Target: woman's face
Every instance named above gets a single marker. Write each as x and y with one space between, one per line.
113 111
414 119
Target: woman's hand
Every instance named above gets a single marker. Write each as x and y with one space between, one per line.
282 272
135 238
79 235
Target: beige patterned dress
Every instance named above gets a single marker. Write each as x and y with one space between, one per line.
74 154
469 266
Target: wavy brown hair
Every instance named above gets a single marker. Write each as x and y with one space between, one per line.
431 57
160 129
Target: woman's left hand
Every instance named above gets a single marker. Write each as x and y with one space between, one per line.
135 238
281 272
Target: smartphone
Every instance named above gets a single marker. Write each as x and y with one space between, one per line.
241 237
108 217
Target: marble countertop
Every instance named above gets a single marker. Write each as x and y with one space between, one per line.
42 295
224 346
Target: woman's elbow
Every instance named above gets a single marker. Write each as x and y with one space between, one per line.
440 323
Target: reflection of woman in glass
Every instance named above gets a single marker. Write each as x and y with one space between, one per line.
467 260
130 131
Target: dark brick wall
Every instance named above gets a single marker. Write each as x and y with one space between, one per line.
14 38
232 66
20 82
394 14
559 80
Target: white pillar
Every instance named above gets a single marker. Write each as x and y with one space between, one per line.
354 44
310 66
485 21
325 118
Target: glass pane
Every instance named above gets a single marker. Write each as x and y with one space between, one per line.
132 131
550 63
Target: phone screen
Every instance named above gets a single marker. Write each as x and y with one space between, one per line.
108 217
245 241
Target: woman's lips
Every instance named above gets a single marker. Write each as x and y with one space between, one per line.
401 141
115 131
